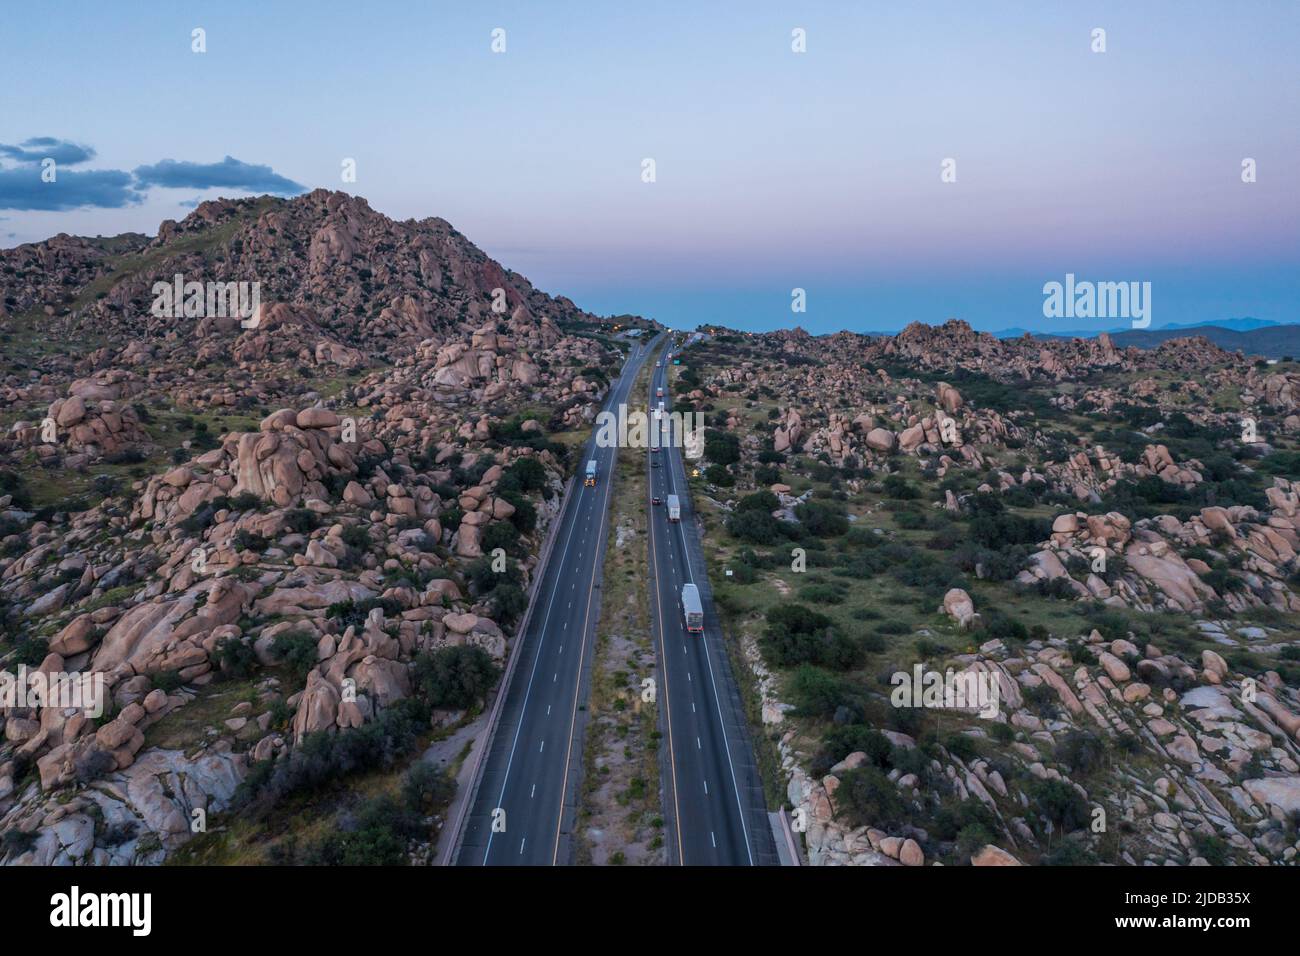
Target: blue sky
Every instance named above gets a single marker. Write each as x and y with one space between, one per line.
775 170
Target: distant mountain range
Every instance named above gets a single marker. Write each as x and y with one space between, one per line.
1249 335
1244 324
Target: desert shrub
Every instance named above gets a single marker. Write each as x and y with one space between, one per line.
246 501
356 536
764 501
245 540
234 658
997 624
13 484
796 634
508 602
897 487
820 594
31 650
16 842
755 527
503 535
455 677
870 798
352 613
1059 803
822 519
718 475
961 746
166 681
816 692
302 520
524 475
323 757
524 517
721 448
913 521
1213 848
378 836
297 651
843 739
425 788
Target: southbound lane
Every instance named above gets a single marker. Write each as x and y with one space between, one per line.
524 809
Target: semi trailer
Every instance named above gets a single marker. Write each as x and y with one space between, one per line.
692 609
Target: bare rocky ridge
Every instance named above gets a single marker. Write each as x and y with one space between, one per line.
360 480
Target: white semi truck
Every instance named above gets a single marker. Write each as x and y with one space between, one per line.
674 508
591 473
692 609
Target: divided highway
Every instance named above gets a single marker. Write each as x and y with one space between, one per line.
524 808
714 806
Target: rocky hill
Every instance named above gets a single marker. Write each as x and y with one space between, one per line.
293 544
1107 534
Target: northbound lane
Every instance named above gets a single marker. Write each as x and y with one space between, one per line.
713 797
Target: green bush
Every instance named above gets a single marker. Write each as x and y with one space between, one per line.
297 651
869 798
796 634
721 448
755 527
818 693
234 657
718 475
455 677
324 757
822 519
764 501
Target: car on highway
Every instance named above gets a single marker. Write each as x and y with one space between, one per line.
655 500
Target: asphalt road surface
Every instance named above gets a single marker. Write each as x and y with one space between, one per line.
523 812
715 813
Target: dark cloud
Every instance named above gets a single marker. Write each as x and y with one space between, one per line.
230 173
23 188
21 185
62 151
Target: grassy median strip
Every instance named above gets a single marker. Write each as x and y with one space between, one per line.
620 820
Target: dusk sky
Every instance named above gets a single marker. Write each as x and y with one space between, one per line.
775 169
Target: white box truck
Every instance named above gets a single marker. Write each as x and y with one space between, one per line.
591 473
674 508
692 609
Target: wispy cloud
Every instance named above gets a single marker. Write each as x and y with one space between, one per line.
230 173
